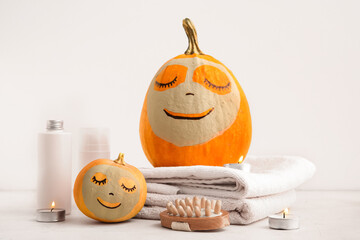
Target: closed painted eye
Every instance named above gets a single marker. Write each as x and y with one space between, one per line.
99 179
128 185
170 77
213 79
128 189
165 85
216 87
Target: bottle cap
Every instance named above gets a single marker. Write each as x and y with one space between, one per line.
55 125
94 140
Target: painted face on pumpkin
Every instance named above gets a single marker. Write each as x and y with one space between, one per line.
106 194
191 101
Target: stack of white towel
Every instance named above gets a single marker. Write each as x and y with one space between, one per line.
247 196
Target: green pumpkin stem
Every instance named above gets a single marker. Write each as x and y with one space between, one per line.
120 159
190 30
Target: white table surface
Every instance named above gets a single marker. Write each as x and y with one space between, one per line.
323 215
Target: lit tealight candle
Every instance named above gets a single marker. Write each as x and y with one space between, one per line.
284 221
50 214
246 167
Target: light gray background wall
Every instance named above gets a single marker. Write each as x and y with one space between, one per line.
90 63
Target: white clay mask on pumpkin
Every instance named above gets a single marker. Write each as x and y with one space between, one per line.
205 113
107 195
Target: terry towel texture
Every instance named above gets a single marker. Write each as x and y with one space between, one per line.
267 189
242 211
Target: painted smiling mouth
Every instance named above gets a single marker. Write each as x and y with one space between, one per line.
186 116
107 204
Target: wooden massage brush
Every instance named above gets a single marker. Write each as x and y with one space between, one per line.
194 215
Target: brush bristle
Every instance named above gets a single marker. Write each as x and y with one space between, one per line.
193 207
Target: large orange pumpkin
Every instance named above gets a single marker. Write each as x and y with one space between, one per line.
195 112
110 191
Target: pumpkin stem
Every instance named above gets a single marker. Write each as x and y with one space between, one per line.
190 30
120 159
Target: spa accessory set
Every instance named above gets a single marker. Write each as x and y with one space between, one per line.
195 129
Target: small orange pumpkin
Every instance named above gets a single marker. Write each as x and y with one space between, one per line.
195 112
110 191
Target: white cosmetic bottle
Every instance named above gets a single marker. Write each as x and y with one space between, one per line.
94 144
54 164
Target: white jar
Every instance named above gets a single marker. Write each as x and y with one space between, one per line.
94 144
54 164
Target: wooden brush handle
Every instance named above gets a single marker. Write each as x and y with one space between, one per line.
194 223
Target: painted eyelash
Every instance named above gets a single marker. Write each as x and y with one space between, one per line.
128 189
103 182
165 85
221 88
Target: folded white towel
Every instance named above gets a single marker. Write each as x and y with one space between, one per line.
268 176
243 211
162 188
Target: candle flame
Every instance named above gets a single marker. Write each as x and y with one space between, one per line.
241 159
286 211
53 204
